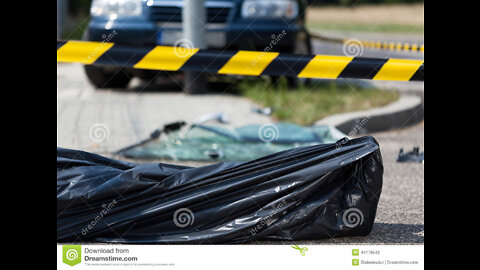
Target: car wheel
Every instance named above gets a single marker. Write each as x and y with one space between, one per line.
102 79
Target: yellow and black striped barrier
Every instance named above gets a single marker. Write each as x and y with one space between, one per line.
239 62
375 44
392 46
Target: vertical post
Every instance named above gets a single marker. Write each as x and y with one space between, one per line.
61 15
194 20
59 18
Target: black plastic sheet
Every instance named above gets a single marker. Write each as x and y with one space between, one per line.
305 193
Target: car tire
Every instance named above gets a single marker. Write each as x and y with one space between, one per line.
102 79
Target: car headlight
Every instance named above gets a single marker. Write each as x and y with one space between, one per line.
116 8
287 9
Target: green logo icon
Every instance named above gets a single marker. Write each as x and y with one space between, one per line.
355 262
302 250
72 254
355 252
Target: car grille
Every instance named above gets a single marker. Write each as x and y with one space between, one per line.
174 14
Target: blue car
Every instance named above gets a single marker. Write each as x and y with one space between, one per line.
273 25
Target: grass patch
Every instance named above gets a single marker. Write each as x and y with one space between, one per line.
381 18
377 28
308 104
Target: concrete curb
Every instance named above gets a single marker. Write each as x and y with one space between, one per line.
406 111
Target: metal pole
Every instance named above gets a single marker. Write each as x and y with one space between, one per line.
194 20
61 14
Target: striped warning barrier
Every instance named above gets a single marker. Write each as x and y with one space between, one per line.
375 44
239 62
392 46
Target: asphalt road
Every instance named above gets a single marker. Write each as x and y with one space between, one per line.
107 120
328 48
103 121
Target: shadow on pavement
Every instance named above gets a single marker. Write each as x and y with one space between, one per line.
396 233
177 87
382 233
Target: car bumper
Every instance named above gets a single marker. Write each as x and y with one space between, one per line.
275 35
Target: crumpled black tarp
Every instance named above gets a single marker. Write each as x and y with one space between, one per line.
311 192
